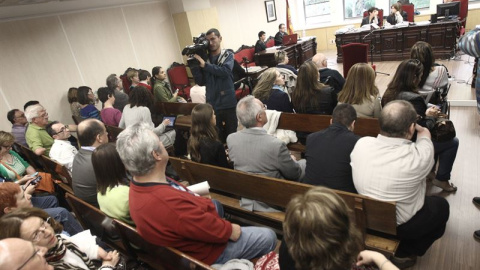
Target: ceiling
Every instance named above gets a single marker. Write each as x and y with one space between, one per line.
21 9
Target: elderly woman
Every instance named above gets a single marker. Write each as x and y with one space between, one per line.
404 86
64 252
269 90
318 234
86 97
141 100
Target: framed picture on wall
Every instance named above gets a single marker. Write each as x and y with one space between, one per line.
270 10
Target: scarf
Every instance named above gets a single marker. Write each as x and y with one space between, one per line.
55 255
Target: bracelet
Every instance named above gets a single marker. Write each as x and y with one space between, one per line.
106 267
381 265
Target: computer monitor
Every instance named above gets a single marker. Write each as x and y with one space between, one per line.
448 9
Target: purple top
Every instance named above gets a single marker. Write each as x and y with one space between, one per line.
18 131
111 116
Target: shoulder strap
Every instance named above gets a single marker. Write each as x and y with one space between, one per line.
8 167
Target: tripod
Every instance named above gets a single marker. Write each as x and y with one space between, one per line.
372 48
248 79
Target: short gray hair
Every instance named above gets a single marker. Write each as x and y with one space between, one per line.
135 146
33 111
247 111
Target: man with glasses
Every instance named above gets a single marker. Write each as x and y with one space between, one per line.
19 254
279 36
61 151
19 125
392 168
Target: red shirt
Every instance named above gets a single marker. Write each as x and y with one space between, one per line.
146 86
169 217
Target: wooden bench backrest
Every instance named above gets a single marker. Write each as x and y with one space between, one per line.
113 132
174 108
367 213
157 257
60 172
316 122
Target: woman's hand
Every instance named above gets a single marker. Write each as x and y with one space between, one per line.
111 259
432 111
25 179
166 122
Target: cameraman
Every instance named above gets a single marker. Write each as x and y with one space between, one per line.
216 75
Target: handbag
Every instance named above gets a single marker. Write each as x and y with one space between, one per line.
45 184
443 130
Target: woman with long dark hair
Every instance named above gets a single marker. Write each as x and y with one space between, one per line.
404 86
204 145
433 76
310 95
86 97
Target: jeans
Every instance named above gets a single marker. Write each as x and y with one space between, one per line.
70 224
44 202
253 242
445 153
229 117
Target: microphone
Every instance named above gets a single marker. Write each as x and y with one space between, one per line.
245 60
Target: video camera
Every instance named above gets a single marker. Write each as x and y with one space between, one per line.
199 47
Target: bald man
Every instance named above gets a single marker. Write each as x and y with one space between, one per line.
91 134
336 79
16 253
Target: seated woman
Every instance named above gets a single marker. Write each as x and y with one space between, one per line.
361 92
161 88
12 166
395 16
110 115
138 110
433 76
313 223
203 144
404 86
281 58
72 99
76 252
269 91
86 98
310 95
112 182
372 17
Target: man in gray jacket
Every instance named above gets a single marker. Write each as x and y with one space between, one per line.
253 150
91 134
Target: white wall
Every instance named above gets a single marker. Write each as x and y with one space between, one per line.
42 57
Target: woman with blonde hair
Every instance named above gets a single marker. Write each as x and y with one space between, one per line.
310 95
318 234
361 92
269 90
204 145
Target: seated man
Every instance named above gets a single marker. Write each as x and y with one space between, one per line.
114 83
279 35
260 45
168 214
91 134
336 79
328 151
61 151
12 196
253 150
281 58
19 125
392 168
16 253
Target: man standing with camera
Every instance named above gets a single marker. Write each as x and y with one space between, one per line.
215 73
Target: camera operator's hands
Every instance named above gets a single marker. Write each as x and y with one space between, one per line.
200 60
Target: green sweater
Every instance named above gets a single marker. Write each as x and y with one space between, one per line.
8 174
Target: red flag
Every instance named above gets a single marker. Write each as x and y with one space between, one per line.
289 21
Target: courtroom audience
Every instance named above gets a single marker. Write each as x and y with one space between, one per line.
361 92
327 75
37 137
204 146
187 222
310 95
86 98
75 107
62 150
253 150
260 45
19 125
16 253
115 84
281 58
328 152
319 234
433 76
112 182
132 76
64 252
144 77
141 100
269 90
404 86
162 90
392 168
91 134
110 115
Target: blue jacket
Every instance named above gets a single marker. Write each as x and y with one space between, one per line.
218 79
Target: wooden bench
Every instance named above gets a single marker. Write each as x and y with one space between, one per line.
174 108
375 219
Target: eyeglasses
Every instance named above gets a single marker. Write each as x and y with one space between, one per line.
61 130
35 252
43 115
264 106
41 229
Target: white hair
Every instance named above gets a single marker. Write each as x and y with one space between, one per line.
33 111
247 111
